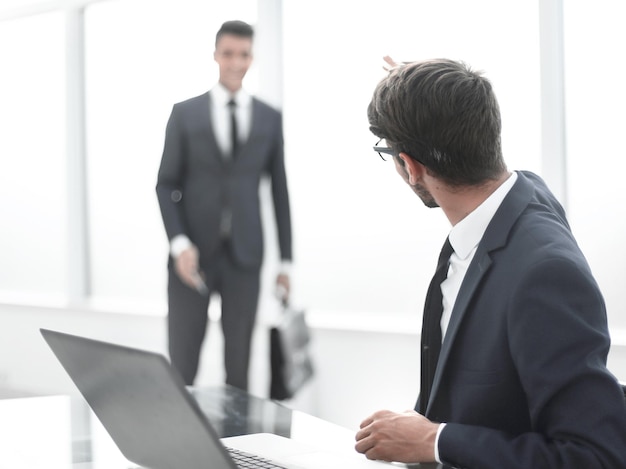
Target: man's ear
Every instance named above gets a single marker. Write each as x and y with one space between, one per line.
414 168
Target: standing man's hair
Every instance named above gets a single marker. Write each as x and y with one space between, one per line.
444 115
236 28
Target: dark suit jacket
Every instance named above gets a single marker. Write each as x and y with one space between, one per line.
521 380
195 181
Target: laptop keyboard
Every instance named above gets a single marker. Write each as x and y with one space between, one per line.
246 460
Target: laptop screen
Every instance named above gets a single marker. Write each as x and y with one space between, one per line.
142 402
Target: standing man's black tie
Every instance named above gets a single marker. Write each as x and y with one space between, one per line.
227 215
233 127
431 326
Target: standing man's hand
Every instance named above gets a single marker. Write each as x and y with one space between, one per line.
187 268
283 287
406 437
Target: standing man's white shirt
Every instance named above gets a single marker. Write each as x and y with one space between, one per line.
220 115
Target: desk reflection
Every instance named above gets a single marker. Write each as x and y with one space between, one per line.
233 412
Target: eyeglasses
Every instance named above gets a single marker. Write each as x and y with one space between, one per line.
389 151
380 150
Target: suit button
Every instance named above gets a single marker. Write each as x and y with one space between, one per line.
176 196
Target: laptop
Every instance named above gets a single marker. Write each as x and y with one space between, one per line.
144 405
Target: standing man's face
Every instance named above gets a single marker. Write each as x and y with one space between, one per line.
233 54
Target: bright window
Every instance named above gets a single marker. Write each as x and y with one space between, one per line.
364 242
595 103
32 165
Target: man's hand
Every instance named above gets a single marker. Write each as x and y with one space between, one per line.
390 63
186 265
283 287
406 437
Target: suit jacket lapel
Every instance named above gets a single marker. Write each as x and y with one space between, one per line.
494 238
257 122
205 120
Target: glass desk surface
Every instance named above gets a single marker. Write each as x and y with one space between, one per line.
61 432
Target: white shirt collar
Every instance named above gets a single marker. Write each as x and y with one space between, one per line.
466 234
221 96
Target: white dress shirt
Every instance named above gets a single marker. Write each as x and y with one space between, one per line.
220 115
464 238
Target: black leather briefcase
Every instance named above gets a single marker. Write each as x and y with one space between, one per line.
290 354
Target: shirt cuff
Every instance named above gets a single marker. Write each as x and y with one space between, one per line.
285 267
178 244
437 458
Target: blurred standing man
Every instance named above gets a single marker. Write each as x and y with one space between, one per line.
217 148
519 379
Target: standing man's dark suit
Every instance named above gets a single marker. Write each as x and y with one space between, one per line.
201 184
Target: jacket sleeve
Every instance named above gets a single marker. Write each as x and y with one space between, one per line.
169 187
280 194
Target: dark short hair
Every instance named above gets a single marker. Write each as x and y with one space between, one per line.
442 114
236 28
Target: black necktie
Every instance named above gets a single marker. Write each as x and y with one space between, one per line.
233 127
431 326
227 215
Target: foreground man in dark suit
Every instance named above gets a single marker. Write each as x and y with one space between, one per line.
521 379
208 192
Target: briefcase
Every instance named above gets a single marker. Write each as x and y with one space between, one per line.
290 354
